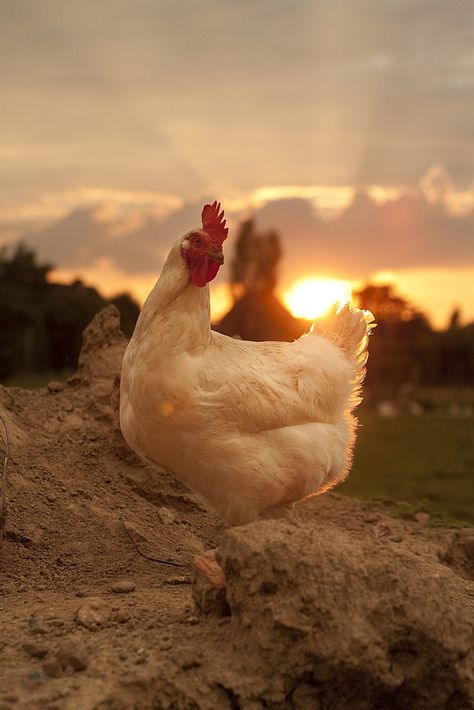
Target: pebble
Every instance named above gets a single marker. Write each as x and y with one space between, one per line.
34 678
55 386
123 586
52 497
422 518
121 616
90 615
36 627
166 515
53 668
35 649
180 579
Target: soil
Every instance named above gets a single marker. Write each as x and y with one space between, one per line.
342 607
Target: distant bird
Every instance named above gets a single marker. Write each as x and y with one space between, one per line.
252 426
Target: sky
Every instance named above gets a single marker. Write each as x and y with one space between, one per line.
346 125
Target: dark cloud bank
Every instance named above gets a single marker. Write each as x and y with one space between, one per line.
404 233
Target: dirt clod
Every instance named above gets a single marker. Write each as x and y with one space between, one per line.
91 614
35 650
73 654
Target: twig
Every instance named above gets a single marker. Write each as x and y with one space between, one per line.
3 480
143 554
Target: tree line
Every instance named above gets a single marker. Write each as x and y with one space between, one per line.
41 323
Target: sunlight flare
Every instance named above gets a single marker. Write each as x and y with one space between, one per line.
312 297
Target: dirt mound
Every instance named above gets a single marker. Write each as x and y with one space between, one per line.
344 608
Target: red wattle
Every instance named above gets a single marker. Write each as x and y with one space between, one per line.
204 272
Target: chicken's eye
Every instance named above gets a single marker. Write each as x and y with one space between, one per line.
197 241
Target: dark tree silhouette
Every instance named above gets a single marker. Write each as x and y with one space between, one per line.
41 323
256 259
257 313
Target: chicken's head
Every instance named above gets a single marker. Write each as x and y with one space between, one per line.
202 248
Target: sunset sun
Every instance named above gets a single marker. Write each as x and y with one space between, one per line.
311 297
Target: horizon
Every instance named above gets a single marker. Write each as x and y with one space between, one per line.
117 225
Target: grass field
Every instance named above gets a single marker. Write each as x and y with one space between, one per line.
426 461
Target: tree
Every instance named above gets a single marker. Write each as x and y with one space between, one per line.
256 258
23 288
41 323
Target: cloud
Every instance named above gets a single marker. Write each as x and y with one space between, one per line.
190 97
405 232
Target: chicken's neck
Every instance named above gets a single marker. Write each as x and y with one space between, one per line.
176 313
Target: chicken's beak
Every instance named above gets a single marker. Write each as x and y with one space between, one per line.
216 256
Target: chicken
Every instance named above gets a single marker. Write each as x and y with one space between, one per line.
251 426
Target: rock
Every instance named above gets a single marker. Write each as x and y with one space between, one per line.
73 654
422 518
35 678
103 346
52 668
460 553
36 626
326 608
34 649
306 697
166 515
121 616
209 585
55 387
123 586
91 614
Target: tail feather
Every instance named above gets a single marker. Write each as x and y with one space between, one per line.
349 328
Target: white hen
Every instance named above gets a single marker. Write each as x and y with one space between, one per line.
253 427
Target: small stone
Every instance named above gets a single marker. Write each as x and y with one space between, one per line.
123 586
53 668
34 678
166 515
121 616
73 654
81 593
51 497
35 649
56 622
55 386
422 518
90 615
179 579
36 627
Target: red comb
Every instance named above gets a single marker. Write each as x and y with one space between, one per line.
214 223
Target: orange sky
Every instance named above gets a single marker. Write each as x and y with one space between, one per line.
119 119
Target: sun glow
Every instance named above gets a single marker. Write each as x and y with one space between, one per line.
312 297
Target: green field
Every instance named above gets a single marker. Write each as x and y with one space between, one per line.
426 461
